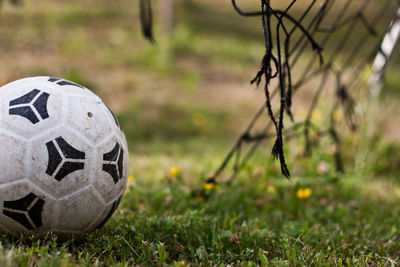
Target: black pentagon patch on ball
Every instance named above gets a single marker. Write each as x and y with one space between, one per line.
63 159
110 213
31 106
27 211
114 163
62 82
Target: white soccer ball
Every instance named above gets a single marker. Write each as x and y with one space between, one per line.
63 158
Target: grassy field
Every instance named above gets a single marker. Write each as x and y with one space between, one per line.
182 102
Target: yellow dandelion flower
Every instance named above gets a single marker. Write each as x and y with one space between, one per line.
338 115
210 186
130 179
307 192
303 193
316 115
173 172
271 189
299 194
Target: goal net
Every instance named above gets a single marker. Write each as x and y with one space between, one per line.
322 51
318 62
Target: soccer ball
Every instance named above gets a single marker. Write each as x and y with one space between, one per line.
63 158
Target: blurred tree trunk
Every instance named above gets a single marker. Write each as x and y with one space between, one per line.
166 11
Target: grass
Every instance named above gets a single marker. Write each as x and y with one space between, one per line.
258 221
182 102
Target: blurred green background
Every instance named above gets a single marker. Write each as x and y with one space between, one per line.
191 86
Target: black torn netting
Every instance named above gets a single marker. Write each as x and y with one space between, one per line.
353 30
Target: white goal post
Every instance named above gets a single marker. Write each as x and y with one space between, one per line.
383 56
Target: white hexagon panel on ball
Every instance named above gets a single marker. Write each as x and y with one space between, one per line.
64 160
